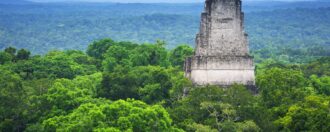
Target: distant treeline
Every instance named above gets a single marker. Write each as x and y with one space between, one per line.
291 35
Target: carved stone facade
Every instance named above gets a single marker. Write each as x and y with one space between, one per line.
222 52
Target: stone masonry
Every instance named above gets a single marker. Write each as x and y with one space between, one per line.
222 53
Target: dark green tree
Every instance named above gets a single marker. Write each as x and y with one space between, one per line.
148 83
12 104
150 54
180 54
98 48
317 67
23 54
116 55
11 51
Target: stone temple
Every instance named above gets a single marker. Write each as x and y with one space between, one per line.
222 53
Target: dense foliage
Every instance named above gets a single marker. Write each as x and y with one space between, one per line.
126 86
123 86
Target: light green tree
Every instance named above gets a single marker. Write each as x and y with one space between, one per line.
321 84
281 86
310 115
120 115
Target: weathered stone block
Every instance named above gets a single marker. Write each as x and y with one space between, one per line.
222 53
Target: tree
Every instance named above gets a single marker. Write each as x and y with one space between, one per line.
12 102
321 84
150 54
148 83
23 54
98 48
210 107
180 54
317 67
120 115
310 115
5 57
281 86
55 64
180 84
63 96
26 69
11 51
116 55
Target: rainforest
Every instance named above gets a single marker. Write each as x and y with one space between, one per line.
112 67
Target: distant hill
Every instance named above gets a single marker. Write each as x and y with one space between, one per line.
253 6
14 2
274 27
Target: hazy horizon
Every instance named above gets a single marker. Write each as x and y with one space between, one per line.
152 1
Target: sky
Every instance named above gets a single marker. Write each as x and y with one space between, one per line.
148 1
